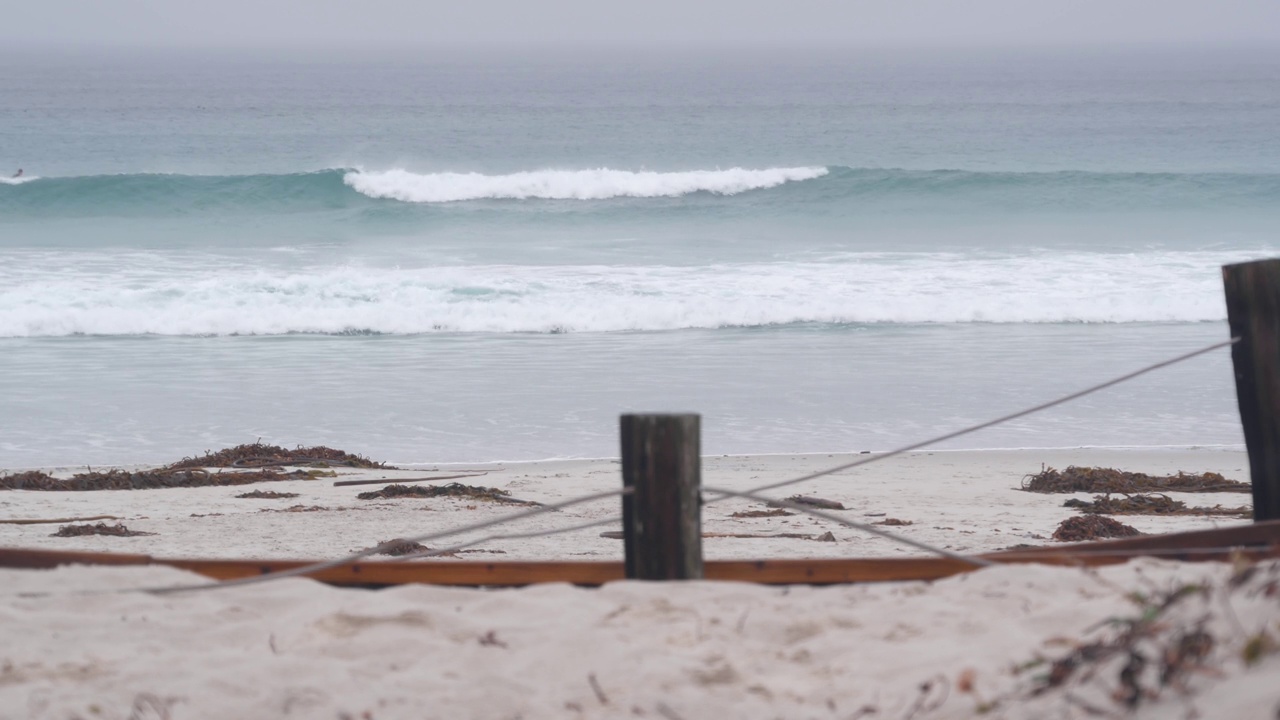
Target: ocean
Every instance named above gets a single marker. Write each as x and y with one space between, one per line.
469 257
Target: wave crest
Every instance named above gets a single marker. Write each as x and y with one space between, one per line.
598 184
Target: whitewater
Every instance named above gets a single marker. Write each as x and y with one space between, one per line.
202 296
434 262
597 184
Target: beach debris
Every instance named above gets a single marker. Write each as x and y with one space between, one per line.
776 512
595 687
932 694
143 479
825 537
399 546
29 480
1153 504
490 639
267 495
452 490
1092 479
41 521
346 483
1092 527
257 455
298 509
117 530
816 502
893 521
766 536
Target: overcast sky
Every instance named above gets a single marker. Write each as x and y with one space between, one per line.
690 23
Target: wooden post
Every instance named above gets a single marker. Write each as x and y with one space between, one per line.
1253 312
662 516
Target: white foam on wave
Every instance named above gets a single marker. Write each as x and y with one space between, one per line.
18 180
596 184
147 295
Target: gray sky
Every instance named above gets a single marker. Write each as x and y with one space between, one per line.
691 23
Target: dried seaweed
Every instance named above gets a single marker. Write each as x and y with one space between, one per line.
143 479
452 490
1092 527
1155 504
825 537
816 502
267 495
776 512
117 530
1107 480
400 546
893 521
258 455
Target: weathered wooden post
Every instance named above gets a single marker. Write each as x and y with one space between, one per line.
662 515
1253 312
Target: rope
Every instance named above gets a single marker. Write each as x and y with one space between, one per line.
857 525
507 536
751 494
316 567
1002 419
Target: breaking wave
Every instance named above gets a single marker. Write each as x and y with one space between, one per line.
149 295
856 189
600 184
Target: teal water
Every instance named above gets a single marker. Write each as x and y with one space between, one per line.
468 258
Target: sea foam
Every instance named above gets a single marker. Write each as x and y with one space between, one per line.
147 295
595 184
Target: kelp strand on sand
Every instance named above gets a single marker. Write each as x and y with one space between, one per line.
143 479
266 495
1092 527
816 502
190 472
400 547
1107 480
1154 504
117 530
452 490
776 512
258 455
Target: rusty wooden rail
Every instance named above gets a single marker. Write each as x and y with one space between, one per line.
1259 540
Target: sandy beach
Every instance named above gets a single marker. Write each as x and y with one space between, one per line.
948 649
966 501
